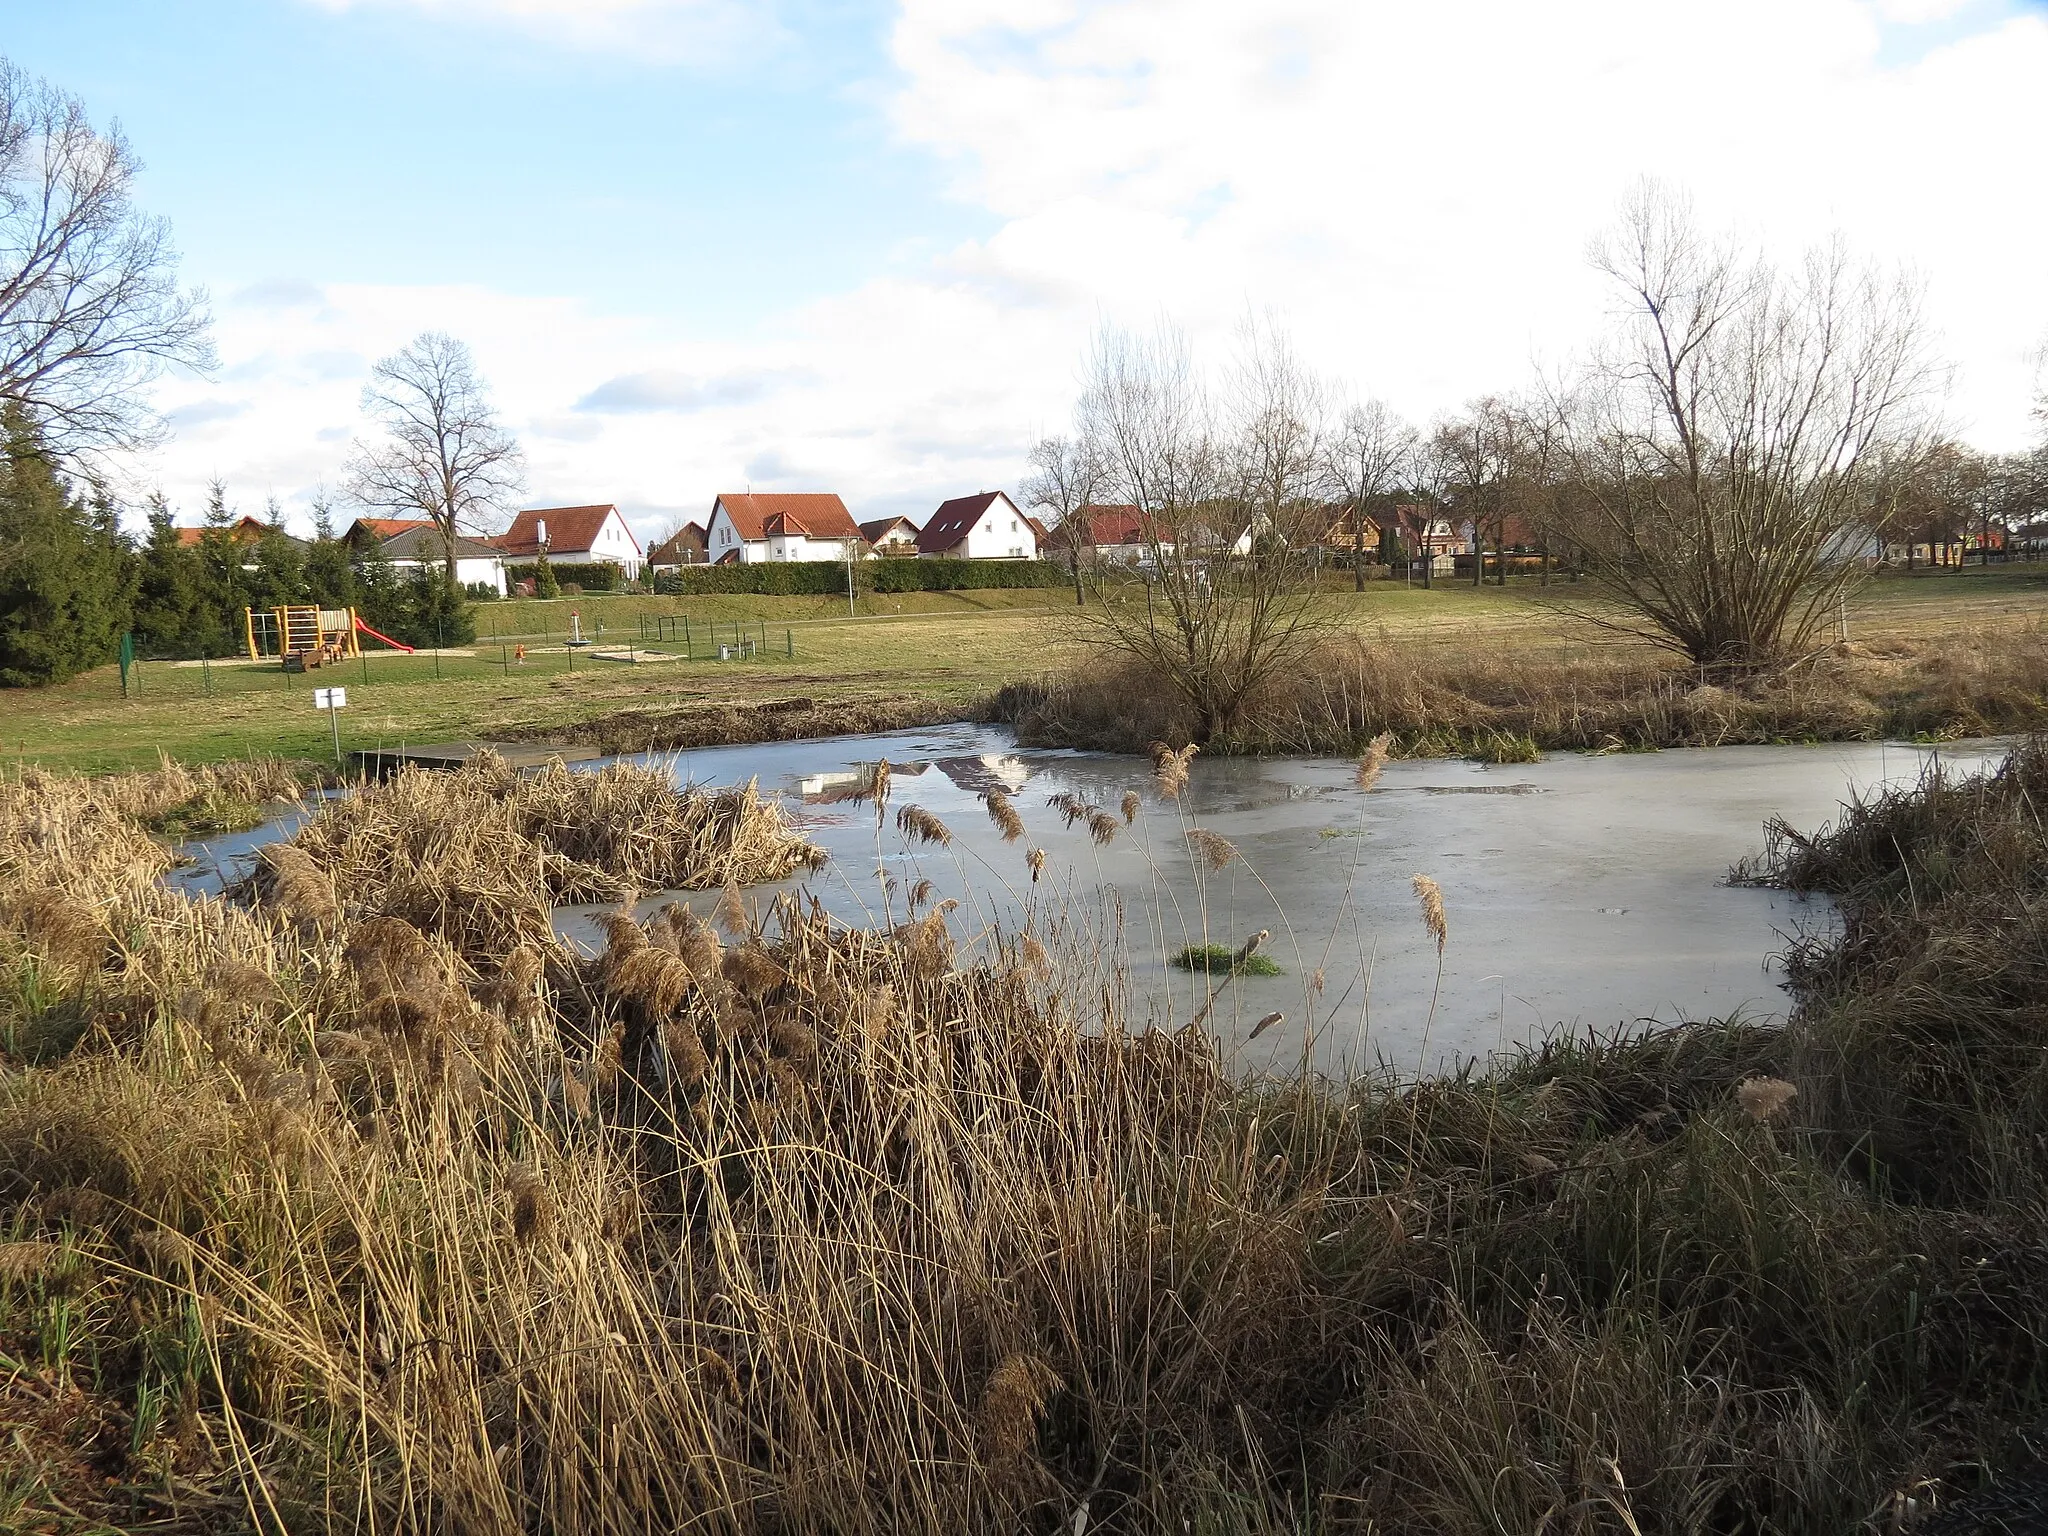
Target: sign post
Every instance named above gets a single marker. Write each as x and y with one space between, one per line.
333 700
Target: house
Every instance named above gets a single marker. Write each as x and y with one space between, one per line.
576 535
985 526
365 531
1122 535
890 535
688 545
243 530
477 564
748 529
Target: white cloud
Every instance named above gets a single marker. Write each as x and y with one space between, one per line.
1411 187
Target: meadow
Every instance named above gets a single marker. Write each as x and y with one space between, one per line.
917 657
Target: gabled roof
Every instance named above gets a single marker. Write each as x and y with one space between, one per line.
879 528
382 527
571 530
424 542
955 519
243 530
817 514
689 536
1099 525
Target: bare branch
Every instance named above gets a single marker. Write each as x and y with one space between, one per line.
90 310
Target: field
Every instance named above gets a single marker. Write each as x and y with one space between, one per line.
950 651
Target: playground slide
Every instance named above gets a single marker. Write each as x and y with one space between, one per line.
365 629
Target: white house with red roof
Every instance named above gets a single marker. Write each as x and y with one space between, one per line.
749 528
984 526
574 535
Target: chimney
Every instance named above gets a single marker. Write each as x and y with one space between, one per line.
543 526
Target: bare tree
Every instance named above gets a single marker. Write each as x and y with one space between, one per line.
1727 444
90 309
1367 457
1064 473
1481 451
1227 601
444 457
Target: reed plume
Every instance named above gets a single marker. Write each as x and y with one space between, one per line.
1036 860
921 826
1373 761
1429 895
1132 805
1765 1098
1003 812
1170 768
1102 826
1213 851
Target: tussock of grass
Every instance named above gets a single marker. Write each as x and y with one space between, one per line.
1215 958
1508 704
363 1221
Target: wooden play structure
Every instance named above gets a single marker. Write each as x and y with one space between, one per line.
304 636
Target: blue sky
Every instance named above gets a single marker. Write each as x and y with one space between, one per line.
818 244
389 146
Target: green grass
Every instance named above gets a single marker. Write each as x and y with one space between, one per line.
950 647
1211 958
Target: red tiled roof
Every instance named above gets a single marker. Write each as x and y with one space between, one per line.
1107 525
571 530
243 530
954 520
385 527
877 529
817 514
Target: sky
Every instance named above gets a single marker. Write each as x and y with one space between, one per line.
712 245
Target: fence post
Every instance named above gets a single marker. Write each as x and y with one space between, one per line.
788 643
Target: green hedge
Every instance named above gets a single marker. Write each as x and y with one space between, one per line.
812 578
591 576
949 575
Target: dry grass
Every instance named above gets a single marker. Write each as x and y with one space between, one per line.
1509 701
481 856
364 1222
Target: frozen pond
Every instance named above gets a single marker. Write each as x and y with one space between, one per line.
1582 892
1586 893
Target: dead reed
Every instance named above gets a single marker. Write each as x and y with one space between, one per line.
1508 702
366 1222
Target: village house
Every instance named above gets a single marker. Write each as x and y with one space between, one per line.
477 564
890 536
688 545
243 530
365 531
1120 535
750 529
575 536
985 526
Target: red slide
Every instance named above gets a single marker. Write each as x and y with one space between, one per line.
365 629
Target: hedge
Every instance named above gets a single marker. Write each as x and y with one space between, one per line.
591 575
812 578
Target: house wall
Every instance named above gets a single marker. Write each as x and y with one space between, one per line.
479 572
721 538
796 546
614 541
1000 534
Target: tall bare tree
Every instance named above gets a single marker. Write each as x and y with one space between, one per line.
90 308
443 457
1727 442
1481 450
1063 477
1228 604
1367 457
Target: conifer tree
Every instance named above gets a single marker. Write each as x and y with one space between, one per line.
63 577
172 615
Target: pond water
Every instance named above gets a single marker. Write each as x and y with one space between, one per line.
1582 893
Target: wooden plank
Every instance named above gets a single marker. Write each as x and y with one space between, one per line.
522 756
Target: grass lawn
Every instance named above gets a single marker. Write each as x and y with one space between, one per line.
952 647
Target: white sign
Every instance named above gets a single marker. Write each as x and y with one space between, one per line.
330 698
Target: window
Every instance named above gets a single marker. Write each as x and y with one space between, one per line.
1013 525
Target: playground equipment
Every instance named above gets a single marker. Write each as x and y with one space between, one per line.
304 636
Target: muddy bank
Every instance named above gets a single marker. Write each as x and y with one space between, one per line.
720 723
